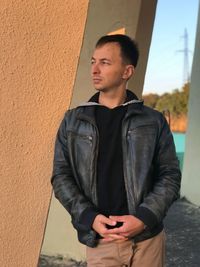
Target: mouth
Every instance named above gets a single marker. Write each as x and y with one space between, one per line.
96 79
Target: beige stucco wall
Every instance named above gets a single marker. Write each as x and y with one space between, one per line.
135 18
40 42
191 173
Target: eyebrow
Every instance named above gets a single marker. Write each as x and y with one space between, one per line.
101 59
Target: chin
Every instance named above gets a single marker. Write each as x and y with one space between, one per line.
100 89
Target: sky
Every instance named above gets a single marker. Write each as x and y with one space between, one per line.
165 64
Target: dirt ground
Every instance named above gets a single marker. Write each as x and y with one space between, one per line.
182 226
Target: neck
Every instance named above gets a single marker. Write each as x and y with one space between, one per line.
112 99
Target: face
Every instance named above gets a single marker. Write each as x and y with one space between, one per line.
107 68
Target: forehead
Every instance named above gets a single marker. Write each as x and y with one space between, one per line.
109 50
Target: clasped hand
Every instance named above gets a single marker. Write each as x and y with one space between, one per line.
131 226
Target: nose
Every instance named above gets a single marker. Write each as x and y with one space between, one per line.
95 68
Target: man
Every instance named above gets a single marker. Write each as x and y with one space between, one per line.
115 166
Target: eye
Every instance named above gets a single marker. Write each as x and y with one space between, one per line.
105 62
92 61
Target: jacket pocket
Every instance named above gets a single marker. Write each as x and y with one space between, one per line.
80 151
141 144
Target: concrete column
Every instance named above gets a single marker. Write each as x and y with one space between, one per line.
191 173
143 36
135 18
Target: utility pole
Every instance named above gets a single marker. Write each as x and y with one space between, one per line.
185 51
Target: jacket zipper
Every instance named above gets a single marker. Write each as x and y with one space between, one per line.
95 163
94 179
124 145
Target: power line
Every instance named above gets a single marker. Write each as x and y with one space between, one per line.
185 51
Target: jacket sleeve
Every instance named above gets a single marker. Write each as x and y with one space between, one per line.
65 186
166 180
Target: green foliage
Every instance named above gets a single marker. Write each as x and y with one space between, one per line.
176 102
151 100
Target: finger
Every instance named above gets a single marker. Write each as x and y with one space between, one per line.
118 218
108 221
109 239
118 231
126 234
113 237
117 237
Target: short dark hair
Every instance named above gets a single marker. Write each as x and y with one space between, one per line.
129 48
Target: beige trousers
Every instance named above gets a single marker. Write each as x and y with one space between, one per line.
148 253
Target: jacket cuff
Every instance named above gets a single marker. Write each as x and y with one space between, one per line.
147 217
87 217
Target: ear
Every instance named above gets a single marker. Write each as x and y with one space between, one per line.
128 72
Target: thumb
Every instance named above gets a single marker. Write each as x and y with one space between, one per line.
108 221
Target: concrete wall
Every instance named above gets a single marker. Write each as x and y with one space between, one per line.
135 18
40 43
191 173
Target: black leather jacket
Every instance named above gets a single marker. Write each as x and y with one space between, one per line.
151 170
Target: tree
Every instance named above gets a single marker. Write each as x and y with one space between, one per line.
176 102
151 100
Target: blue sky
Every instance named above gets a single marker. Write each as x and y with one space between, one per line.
165 64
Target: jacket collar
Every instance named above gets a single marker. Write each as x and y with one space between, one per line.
94 100
129 97
135 106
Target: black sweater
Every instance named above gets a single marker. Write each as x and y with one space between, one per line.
110 179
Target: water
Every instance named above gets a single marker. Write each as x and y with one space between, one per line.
179 140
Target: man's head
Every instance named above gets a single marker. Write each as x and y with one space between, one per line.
113 62
128 47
